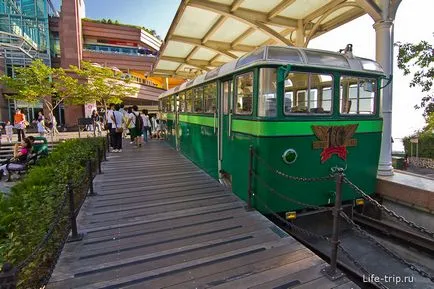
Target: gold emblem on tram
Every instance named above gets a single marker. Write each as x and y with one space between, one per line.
334 140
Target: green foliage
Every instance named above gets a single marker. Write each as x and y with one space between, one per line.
418 60
33 204
104 84
34 84
426 144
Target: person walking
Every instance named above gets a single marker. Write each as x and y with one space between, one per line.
41 123
109 120
146 125
116 117
135 125
9 128
96 120
19 123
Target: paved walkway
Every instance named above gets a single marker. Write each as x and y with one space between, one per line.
160 222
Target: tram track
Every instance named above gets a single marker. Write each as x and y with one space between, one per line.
405 236
403 242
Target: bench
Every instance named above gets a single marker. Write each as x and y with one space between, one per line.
31 160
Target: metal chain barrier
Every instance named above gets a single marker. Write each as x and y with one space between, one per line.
388 211
87 174
47 236
359 266
293 226
321 237
310 206
294 178
364 234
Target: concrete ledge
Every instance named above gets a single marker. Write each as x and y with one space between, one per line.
408 189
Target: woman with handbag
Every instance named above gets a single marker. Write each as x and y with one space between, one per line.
118 129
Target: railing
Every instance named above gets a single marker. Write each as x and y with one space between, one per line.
66 220
337 174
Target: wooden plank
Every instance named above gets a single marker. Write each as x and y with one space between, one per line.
175 227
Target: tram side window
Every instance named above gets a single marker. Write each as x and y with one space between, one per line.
171 106
267 92
210 97
308 93
189 100
198 99
357 95
244 99
181 102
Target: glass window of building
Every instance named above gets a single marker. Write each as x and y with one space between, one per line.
357 95
308 93
189 100
198 99
267 106
210 97
244 92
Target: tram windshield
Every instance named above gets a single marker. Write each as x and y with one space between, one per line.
308 93
357 95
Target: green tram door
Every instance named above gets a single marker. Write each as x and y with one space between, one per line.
224 132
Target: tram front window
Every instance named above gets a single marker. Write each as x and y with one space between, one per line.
308 93
267 92
357 95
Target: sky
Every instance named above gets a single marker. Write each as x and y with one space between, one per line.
414 22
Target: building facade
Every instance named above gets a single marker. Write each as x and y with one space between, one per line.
32 29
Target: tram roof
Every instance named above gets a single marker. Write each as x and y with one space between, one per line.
281 55
206 34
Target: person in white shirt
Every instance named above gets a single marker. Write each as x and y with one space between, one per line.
117 129
146 125
135 126
109 120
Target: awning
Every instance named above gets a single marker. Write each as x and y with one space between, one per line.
208 33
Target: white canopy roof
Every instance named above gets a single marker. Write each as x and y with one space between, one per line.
208 33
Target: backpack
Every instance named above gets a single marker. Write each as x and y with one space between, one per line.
139 122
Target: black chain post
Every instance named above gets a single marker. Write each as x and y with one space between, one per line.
108 142
8 277
98 159
249 192
104 150
75 236
90 177
331 271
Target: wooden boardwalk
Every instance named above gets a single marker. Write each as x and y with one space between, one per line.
160 222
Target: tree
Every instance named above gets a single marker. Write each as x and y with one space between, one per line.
34 83
418 60
104 85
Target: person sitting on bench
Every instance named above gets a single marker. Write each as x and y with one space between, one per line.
21 152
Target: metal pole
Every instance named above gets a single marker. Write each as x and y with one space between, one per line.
104 151
331 271
8 276
108 142
90 178
75 236
249 201
98 159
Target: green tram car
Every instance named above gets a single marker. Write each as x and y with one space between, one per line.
304 112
